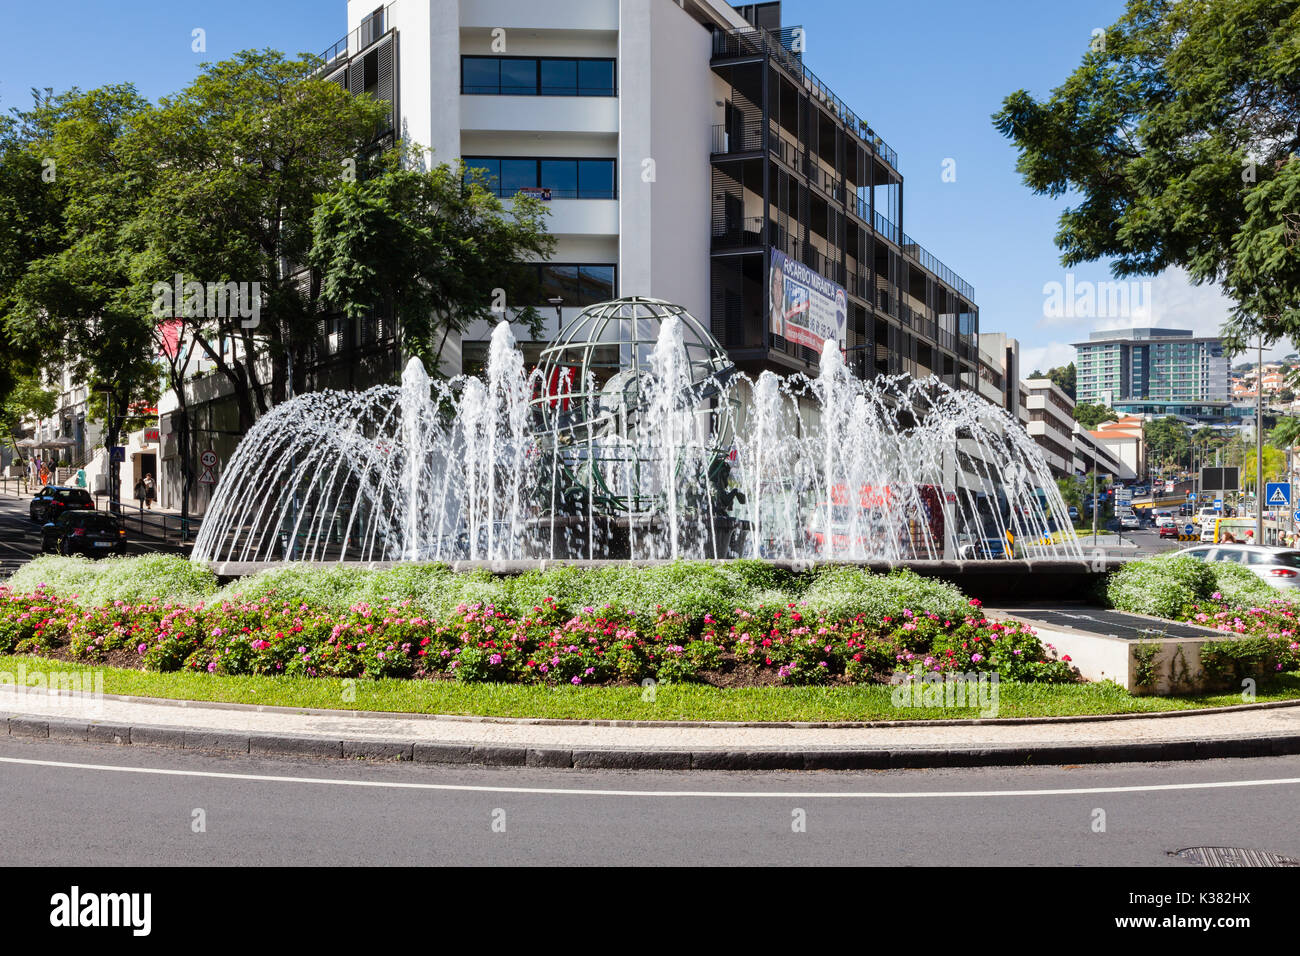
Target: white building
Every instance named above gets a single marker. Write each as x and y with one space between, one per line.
1051 423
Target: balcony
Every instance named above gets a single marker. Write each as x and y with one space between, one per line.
753 41
917 253
372 28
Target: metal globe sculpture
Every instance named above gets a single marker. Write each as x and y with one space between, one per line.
623 381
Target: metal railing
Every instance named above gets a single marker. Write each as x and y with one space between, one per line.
750 41
918 253
371 29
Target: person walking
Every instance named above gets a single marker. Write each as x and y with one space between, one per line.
150 492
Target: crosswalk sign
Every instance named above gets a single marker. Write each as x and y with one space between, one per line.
1278 494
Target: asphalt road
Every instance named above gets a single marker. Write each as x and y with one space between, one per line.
20 537
82 805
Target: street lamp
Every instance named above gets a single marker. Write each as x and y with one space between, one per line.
557 301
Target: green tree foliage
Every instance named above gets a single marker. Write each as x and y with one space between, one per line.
1090 415
1179 133
1064 378
431 248
1286 434
1168 441
67 299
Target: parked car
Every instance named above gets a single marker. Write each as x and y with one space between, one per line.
53 500
1073 512
80 531
1280 567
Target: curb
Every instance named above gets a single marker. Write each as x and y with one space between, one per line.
879 758
718 724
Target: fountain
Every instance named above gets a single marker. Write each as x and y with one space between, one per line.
635 438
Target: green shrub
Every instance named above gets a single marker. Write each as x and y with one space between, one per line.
1163 587
133 579
1228 663
1238 585
844 592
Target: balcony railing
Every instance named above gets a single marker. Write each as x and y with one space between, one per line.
917 253
753 41
372 28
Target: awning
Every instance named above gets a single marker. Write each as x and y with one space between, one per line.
47 443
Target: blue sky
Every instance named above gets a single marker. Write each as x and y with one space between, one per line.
926 74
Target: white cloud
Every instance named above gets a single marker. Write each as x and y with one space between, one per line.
1044 357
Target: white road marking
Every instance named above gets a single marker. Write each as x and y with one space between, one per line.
735 794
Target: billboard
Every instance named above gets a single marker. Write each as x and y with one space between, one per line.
807 308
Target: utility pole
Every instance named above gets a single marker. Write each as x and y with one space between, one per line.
1094 491
1259 445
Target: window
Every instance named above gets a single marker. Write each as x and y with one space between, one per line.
565 178
536 76
577 284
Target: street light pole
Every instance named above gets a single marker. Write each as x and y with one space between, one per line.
1259 445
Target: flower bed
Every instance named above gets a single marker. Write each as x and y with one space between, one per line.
734 626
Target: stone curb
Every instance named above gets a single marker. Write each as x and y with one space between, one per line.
686 724
874 758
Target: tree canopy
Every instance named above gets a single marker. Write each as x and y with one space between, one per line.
1090 415
1179 132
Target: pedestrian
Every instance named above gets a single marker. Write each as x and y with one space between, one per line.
149 492
139 490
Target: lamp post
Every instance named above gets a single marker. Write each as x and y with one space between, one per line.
557 301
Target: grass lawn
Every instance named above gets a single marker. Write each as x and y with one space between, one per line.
672 702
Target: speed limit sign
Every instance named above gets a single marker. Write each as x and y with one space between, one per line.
208 458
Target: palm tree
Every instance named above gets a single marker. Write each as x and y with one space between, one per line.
1286 435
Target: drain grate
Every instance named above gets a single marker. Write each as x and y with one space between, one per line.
1232 856
1129 627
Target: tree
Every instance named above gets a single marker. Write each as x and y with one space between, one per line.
239 158
1168 441
1090 415
1179 132
433 249
68 298
1286 434
1064 378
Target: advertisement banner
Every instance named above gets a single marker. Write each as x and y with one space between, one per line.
807 308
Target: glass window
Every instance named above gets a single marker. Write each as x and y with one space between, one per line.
516 174
559 77
480 74
595 179
595 77
518 77
1197 553
562 176
597 283
1228 554
561 281
1290 559
491 169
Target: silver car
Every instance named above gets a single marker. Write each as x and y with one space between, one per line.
1280 567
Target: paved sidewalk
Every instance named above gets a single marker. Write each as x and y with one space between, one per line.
1249 731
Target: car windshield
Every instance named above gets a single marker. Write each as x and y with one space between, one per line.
94 521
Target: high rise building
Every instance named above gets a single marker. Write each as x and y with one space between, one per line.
1153 365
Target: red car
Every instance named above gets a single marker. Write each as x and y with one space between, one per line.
1169 531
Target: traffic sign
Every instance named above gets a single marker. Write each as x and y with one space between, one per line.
1297 517
117 454
1278 494
1188 529
207 478
208 458
1191 496
1218 504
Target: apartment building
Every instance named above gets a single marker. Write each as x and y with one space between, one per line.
1051 423
1091 454
685 152
1164 365
999 371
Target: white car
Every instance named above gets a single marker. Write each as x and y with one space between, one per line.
1280 567
1130 521
1164 521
